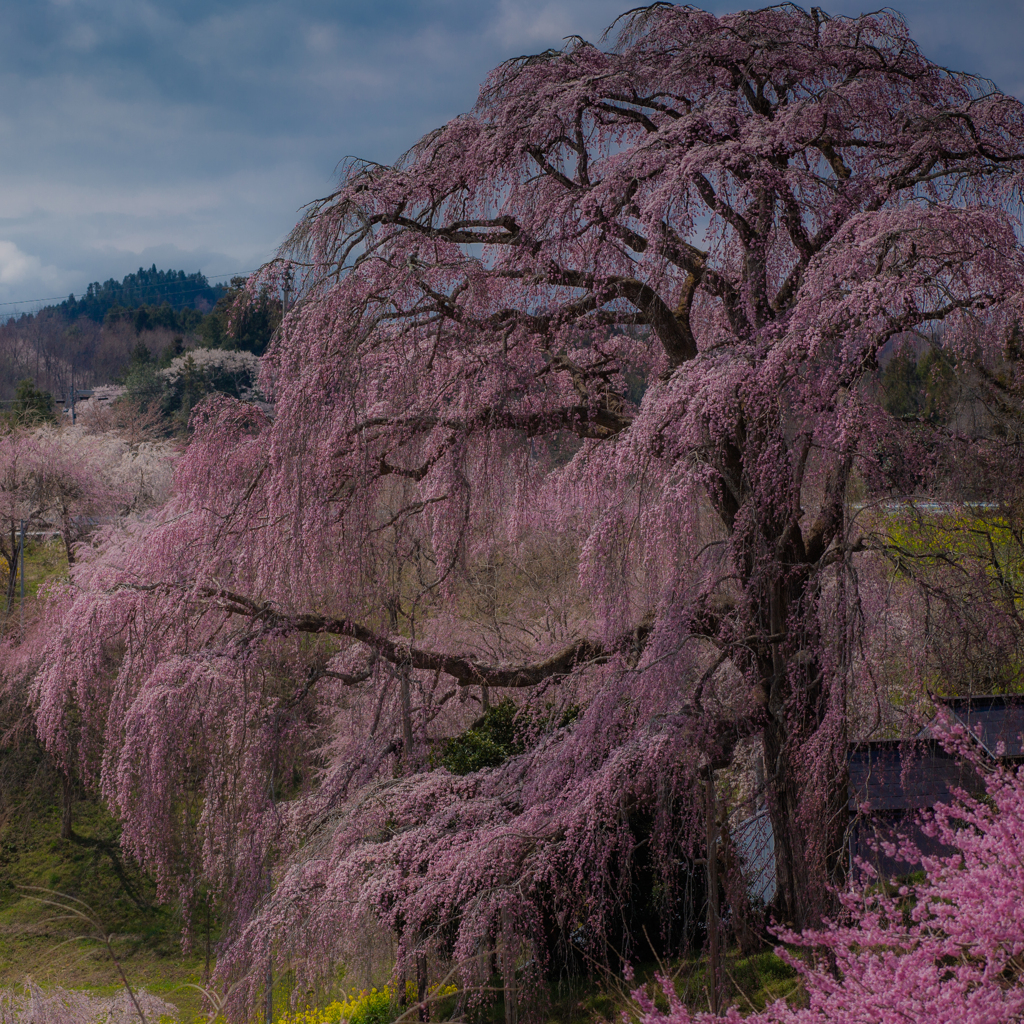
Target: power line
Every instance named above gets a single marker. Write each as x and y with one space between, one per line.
192 287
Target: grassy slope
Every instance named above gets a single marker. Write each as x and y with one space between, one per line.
37 940
33 942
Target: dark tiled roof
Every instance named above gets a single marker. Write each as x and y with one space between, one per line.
896 775
993 720
868 839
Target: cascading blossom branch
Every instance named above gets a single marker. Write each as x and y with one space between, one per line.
950 948
568 408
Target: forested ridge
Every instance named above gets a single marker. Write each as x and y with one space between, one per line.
93 340
431 626
150 287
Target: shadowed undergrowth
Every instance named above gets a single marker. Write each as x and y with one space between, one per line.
38 943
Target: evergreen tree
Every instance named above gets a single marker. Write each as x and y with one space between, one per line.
32 405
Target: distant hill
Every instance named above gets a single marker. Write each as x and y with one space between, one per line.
123 329
150 287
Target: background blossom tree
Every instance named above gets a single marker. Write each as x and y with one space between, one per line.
63 485
570 407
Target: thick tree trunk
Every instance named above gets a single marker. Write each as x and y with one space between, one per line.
804 759
807 804
714 964
792 871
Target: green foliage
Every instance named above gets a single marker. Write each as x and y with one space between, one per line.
985 545
45 561
149 289
191 377
140 378
240 321
169 354
188 390
177 382
495 737
374 1008
31 405
503 731
924 388
938 380
901 385
956 534
150 318
156 300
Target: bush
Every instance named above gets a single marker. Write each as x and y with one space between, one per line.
502 732
366 1006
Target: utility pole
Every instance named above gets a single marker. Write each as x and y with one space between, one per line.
286 291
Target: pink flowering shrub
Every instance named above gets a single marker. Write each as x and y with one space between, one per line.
948 949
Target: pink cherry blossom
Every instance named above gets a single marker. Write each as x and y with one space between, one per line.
570 407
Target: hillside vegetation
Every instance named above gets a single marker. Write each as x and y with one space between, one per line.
93 340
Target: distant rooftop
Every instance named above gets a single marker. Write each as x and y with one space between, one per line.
902 775
891 780
996 722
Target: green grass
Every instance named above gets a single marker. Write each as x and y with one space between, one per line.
35 942
749 982
45 560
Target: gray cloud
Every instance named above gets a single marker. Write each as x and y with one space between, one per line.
190 133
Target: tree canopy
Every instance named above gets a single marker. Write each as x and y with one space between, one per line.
243 321
573 405
150 287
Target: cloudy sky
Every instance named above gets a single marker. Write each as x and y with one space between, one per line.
189 132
